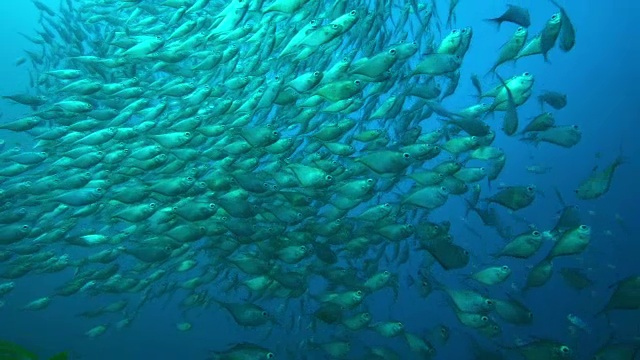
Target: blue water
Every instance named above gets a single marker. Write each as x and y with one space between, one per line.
600 76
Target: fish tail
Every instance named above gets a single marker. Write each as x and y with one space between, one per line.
621 158
470 207
495 21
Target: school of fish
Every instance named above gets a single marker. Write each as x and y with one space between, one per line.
194 149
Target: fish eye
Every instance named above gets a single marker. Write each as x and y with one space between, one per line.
565 349
554 16
387 205
265 314
25 227
99 190
406 155
275 133
465 252
584 227
464 31
270 356
187 134
484 318
535 233
357 82
158 38
316 73
189 179
313 23
529 188
328 177
400 324
334 26
488 302
526 73
353 13
359 293
212 206
392 51
454 31
519 29
369 181
575 127
443 188
505 267
152 205
386 273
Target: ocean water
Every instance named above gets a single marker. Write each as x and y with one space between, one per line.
599 76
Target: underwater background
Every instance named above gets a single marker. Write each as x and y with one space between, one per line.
599 76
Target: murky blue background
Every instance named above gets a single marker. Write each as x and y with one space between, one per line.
601 78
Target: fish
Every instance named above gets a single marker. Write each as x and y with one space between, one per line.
625 296
554 99
567 30
599 182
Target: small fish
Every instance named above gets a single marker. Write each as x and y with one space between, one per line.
579 323
553 98
538 169
514 14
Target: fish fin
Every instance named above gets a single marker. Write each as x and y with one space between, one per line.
559 196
